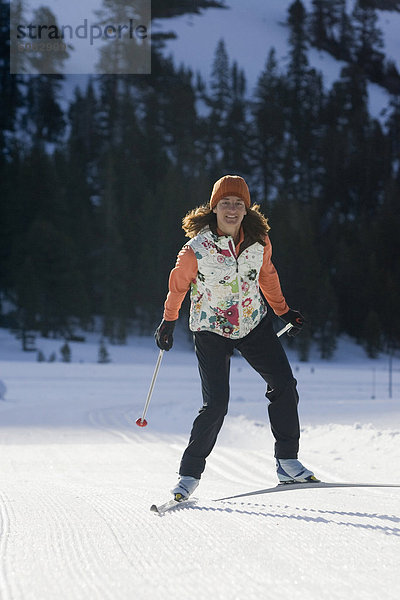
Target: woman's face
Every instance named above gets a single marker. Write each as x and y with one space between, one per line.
230 212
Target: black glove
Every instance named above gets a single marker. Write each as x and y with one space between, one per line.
164 335
296 319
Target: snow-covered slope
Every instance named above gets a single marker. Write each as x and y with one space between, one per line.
250 29
77 478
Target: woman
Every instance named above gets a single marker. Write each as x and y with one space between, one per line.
225 265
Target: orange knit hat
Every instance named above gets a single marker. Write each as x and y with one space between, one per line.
230 185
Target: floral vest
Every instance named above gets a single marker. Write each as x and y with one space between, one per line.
225 297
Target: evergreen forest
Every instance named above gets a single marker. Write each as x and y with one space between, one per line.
93 191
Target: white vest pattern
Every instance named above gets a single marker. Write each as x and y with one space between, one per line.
225 297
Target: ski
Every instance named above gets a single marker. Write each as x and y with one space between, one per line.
287 487
170 505
281 487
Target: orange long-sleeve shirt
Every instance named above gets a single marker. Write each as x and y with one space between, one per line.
185 271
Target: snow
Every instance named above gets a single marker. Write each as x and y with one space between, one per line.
78 478
251 29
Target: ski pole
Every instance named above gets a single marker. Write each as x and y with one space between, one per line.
284 329
141 422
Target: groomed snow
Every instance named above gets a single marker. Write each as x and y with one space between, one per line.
78 477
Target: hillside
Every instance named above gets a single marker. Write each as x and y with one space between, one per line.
250 30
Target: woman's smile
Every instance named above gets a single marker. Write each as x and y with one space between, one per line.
230 212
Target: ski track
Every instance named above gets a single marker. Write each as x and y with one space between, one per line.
6 516
237 468
246 551
76 525
113 420
246 469
54 542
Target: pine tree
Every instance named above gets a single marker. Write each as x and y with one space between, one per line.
103 354
85 136
319 23
114 269
330 28
269 122
50 60
219 103
391 79
305 282
372 335
48 284
170 202
368 42
126 54
44 121
303 103
81 191
154 156
392 126
10 85
65 352
40 357
346 115
236 140
181 127
220 84
298 63
227 139
346 32
386 243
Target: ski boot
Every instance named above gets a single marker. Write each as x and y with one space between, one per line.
290 470
184 488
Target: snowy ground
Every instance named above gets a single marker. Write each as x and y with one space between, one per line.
77 479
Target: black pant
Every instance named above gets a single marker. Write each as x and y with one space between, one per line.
263 351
